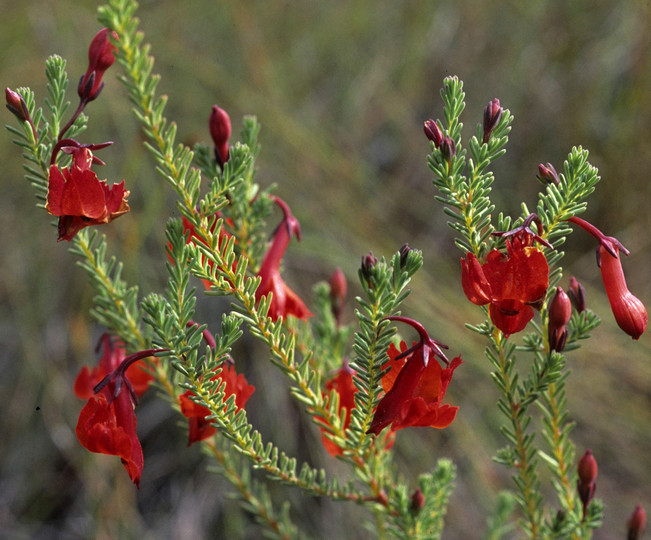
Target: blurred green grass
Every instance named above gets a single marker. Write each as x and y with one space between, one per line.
341 90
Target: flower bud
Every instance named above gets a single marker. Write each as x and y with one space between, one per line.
560 311
366 270
636 523
433 132
448 148
220 131
492 115
547 174
577 295
16 104
417 501
338 290
586 485
100 58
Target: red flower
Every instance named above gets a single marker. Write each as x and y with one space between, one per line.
629 311
285 302
199 427
343 384
80 198
220 131
511 283
415 386
100 58
107 423
112 356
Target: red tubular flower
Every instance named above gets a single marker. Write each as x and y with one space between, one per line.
100 58
629 311
107 423
511 283
415 386
199 427
220 131
285 302
342 383
79 198
112 356
586 484
636 523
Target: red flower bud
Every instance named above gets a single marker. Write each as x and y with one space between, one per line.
586 485
448 148
492 115
100 58
433 132
366 270
338 290
636 523
417 501
547 174
560 311
220 131
577 294
16 104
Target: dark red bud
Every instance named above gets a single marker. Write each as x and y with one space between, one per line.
586 485
220 131
417 501
547 174
577 294
16 104
100 58
448 148
560 311
338 290
433 132
636 523
366 270
492 115
404 253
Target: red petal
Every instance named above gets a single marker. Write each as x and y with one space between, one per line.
83 195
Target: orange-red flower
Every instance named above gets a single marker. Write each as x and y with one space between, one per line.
285 302
415 385
113 355
342 383
107 423
512 283
414 393
79 198
629 311
199 427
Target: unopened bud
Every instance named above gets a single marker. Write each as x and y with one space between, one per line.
586 485
366 270
577 294
417 501
547 174
560 311
100 58
433 132
636 523
16 104
492 115
448 148
404 251
338 290
220 131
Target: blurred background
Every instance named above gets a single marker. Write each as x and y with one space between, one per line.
341 90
